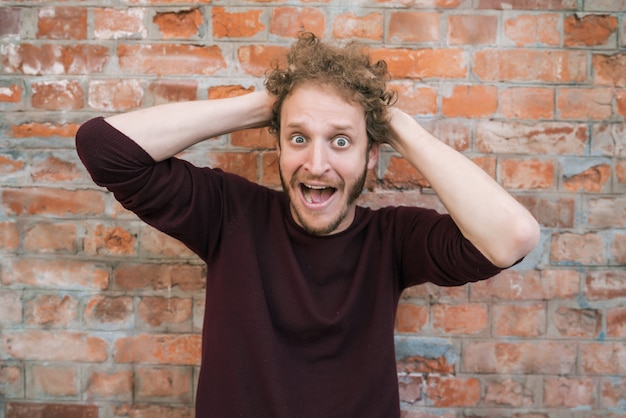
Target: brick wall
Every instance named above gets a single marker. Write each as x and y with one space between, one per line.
100 314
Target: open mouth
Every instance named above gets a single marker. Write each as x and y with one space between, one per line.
316 194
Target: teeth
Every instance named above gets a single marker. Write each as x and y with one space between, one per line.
315 187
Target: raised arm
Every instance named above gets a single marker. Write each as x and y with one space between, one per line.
502 229
165 130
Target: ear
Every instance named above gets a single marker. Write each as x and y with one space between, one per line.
372 156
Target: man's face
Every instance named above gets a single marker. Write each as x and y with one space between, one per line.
323 157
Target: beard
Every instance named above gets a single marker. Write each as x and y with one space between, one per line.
352 192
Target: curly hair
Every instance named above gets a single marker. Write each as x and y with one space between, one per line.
347 69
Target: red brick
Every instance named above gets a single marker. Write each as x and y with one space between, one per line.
426 365
527 103
510 392
58 345
11 93
9 236
618 249
472 29
585 249
104 312
115 95
527 173
351 25
549 211
56 168
54 311
423 63
612 392
50 238
156 244
10 308
230 24
172 384
53 381
603 358
527 4
154 411
289 21
620 101
610 69
445 392
467 319
44 129
401 174
113 240
58 95
579 323
225 91
543 66
62 23
519 320
410 388
541 357
180 349
110 384
408 26
169 313
244 164
54 59
269 166
10 20
55 202
526 30
168 91
411 317
594 179
179 25
609 139
60 273
49 410
536 138
585 104
568 392
415 100
590 30
528 285
112 23
159 277
255 60
607 212
259 138
170 59
11 381
471 102
605 284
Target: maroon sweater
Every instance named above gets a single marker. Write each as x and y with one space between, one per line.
295 325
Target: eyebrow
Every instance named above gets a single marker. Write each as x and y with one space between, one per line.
338 126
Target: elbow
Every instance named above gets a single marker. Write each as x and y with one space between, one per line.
521 238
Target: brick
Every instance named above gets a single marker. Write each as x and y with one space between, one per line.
115 95
50 410
527 320
618 249
602 358
52 381
472 29
178 349
411 317
605 5
109 240
289 21
239 24
410 388
551 212
66 274
44 130
448 392
609 139
11 93
159 277
470 102
181 24
527 173
612 392
10 21
541 357
401 174
535 138
168 91
58 345
528 285
568 392
577 323
54 59
467 319
512 392
11 381
589 30
58 95
225 91
159 59
415 100
526 30
9 236
527 4
152 411
270 176
62 23
543 66
408 26
604 284
10 307
173 384
619 185
527 103
610 69
256 59
620 102
52 202
454 133
110 384
583 249
423 63
156 244
259 138
56 168
52 311
424 356
585 104
104 312
593 179
169 313
607 212
244 164
352 25
124 23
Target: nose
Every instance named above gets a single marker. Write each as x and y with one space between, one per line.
317 159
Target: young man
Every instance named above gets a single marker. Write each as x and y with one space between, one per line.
303 285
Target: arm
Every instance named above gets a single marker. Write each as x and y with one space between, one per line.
165 130
491 219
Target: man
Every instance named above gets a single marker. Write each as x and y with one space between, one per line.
303 285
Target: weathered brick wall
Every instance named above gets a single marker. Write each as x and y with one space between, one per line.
100 314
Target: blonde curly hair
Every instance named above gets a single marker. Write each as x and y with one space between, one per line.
347 69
